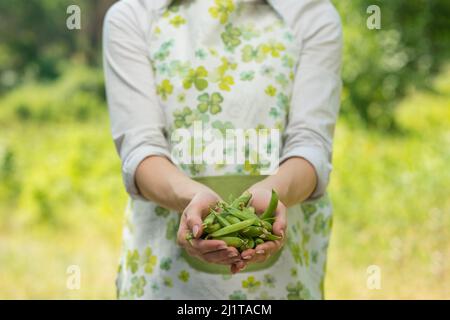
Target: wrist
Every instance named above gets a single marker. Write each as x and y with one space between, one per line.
184 191
269 184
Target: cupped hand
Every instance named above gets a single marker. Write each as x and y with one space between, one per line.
260 200
212 251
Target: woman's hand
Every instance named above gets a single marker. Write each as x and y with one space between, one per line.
294 182
260 201
213 251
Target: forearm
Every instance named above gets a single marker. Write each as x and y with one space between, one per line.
160 181
294 182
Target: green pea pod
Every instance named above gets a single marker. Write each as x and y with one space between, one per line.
250 244
269 237
242 200
259 241
250 212
253 231
250 209
257 223
222 221
241 215
222 204
272 206
212 228
266 225
232 241
232 219
189 237
233 228
244 246
270 220
209 219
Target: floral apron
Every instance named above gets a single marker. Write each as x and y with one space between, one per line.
229 64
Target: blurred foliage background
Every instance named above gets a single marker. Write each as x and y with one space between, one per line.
61 195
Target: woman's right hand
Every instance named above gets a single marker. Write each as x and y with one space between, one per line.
212 251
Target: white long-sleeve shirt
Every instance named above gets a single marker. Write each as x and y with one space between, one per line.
139 123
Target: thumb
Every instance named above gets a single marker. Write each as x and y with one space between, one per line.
194 221
280 224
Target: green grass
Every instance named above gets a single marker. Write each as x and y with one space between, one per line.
392 204
68 212
62 199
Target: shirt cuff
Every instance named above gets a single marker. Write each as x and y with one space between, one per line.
130 165
318 160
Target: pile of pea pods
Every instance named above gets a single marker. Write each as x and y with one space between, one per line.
237 224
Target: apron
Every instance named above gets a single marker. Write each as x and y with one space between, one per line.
226 64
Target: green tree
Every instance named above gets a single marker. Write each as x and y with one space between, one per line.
35 41
381 65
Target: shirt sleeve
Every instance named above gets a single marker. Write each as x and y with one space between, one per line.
316 94
137 120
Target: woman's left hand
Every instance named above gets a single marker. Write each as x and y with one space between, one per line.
260 201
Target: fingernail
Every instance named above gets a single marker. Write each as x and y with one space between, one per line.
195 230
222 246
282 234
232 255
260 252
247 257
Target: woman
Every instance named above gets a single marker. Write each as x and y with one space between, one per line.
230 64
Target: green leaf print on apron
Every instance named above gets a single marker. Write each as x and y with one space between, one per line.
226 64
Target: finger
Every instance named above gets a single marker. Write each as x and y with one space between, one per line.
234 269
230 261
237 267
264 251
256 255
232 256
280 224
193 219
182 233
221 257
235 253
248 254
258 258
241 265
205 246
268 248
192 252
